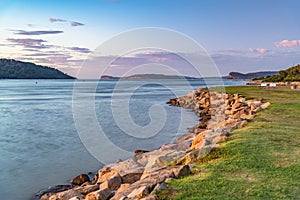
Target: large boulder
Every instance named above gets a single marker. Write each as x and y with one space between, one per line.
194 155
131 176
162 159
112 183
106 173
66 195
139 192
80 179
265 105
87 189
181 171
102 194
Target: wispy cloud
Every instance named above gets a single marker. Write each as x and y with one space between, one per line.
23 32
28 42
288 43
72 23
52 20
80 49
76 24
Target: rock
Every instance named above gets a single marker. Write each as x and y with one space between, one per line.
137 152
162 159
255 103
128 165
185 137
228 112
248 117
159 176
95 179
46 196
139 192
53 190
76 198
129 170
198 130
174 102
112 183
182 146
211 136
105 174
219 139
130 176
87 189
195 155
159 187
102 194
86 183
143 158
232 123
80 179
123 187
265 105
242 124
66 195
182 171
198 142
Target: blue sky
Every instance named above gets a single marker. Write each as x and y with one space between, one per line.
238 35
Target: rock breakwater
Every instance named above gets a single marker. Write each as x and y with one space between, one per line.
139 177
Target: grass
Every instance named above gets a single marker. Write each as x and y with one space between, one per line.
259 161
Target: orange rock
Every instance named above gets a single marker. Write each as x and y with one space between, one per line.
265 105
198 142
80 179
104 175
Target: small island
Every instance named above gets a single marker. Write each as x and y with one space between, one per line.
14 69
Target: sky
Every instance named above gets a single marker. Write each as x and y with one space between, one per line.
244 36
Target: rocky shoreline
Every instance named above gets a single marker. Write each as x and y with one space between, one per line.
141 176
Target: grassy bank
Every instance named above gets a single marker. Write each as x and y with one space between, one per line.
259 161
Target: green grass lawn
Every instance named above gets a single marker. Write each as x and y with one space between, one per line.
259 161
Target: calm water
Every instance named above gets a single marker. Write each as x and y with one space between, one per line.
39 144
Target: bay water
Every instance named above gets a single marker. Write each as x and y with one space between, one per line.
39 143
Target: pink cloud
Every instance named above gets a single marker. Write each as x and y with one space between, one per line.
287 43
261 50
258 50
52 20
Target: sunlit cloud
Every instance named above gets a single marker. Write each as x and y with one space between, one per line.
288 43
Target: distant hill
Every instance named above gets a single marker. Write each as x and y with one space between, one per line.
147 77
290 74
250 76
13 69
